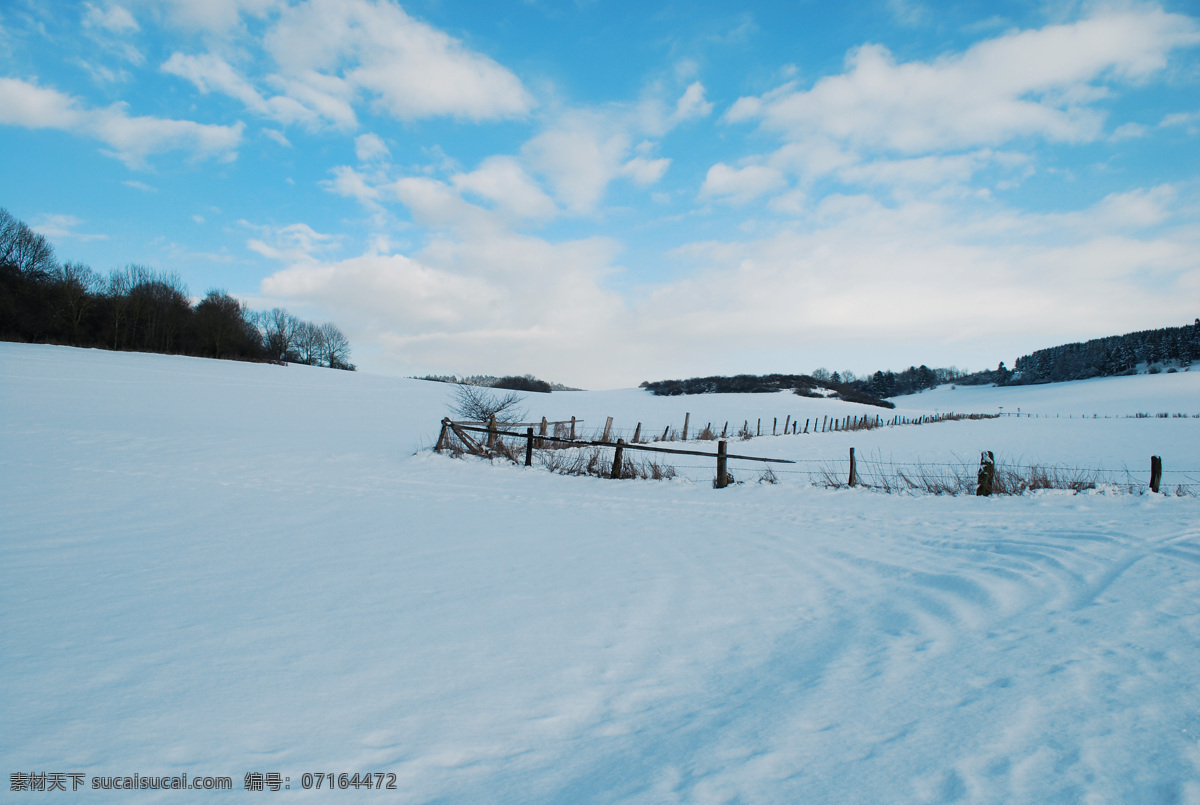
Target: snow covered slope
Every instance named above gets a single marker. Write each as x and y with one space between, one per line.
217 568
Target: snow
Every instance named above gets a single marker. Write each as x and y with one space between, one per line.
218 568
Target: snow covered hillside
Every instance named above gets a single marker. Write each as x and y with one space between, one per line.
216 568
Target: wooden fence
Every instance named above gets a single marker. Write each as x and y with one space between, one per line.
985 481
494 432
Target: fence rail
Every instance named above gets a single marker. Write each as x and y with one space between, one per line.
937 477
460 429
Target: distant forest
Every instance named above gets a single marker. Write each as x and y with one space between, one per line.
136 308
510 382
1157 350
804 385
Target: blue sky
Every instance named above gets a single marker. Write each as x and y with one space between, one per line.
602 193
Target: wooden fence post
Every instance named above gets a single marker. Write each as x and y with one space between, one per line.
492 433
686 417
806 420
543 432
853 473
441 442
722 465
617 457
529 447
758 431
637 433
572 428
987 473
774 425
1155 473
666 430
725 429
786 424
607 430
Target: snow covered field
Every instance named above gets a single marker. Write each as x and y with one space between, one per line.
220 568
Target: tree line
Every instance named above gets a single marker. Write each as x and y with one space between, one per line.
803 385
139 309
1164 348
1167 348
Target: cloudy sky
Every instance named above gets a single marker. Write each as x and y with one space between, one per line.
601 193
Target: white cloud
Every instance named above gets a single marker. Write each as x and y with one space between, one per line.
371 148
294 243
59 227
215 16
131 138
691 104
211 73
278 137
502 180
411 70
644 171
114 18
739 185
136 185
349 183
927 170
908 12
486 300
34 107
1128 131
579 156
1030 83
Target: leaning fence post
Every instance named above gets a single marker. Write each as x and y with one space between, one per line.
1155 473
665 431
617 456
607 430
987 473
853 474
637 433
787 423
441 442
529 447
724 429
722 466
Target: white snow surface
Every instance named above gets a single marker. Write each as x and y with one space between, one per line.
218 568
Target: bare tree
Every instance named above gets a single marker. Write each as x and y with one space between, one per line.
223 326
117 293
20 246
79 286
335 347
309 343
479 404
279 334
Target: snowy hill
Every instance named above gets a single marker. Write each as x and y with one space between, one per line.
217 568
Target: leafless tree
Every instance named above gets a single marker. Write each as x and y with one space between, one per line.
222 324
478 404
79 286
20 246
309 343
334 346
279 334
